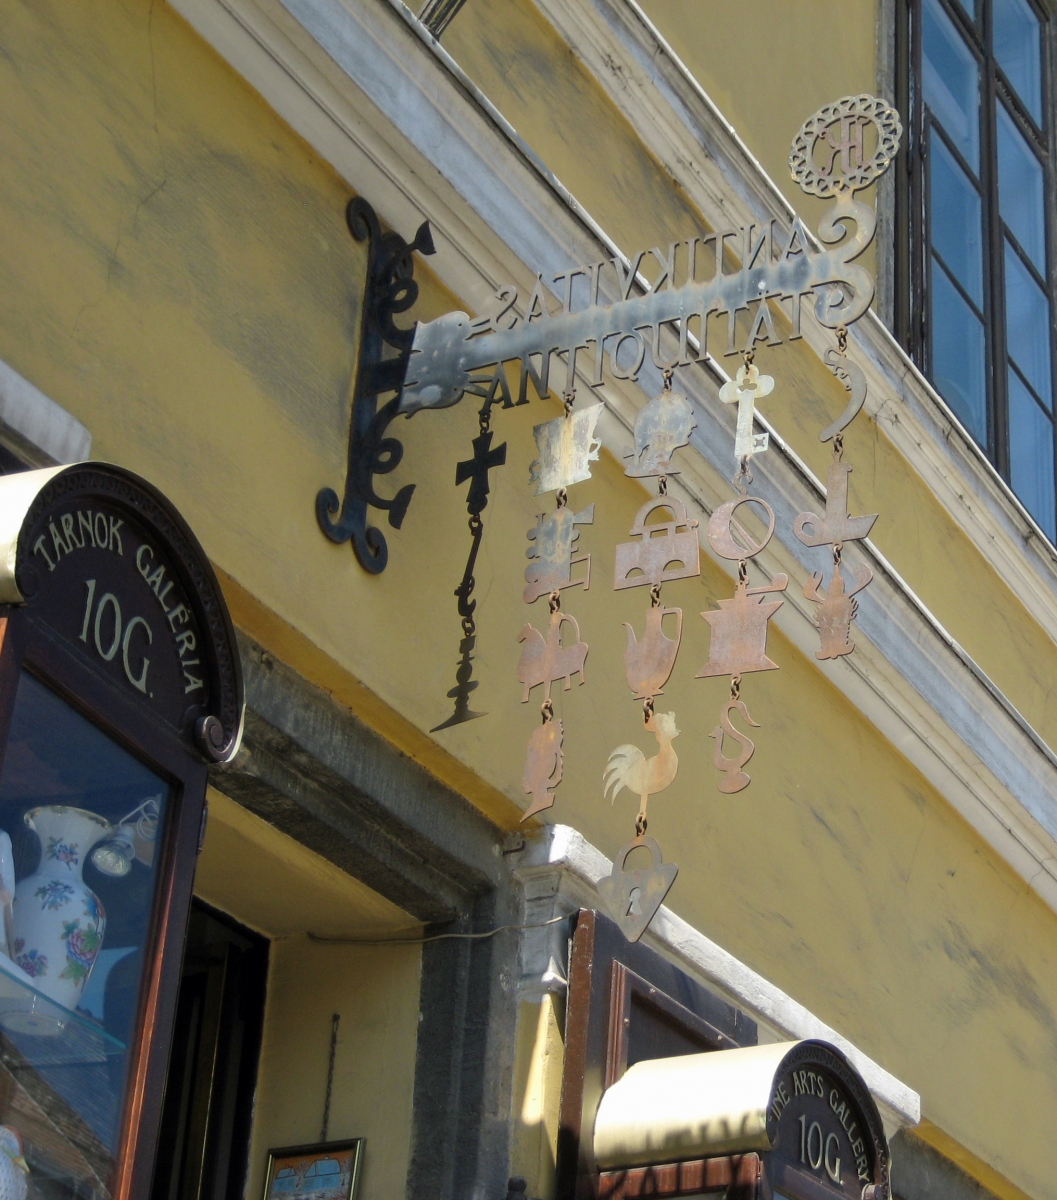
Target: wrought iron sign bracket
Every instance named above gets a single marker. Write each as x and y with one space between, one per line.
390 288
438 362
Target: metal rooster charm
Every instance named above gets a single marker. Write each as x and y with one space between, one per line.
837 610
629 768
543 766
734 778
648 663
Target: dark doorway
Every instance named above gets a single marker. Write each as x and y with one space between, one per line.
204 1139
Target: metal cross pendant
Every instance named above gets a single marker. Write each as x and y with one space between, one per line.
745 389
476 470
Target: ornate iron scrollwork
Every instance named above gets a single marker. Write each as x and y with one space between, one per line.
390 288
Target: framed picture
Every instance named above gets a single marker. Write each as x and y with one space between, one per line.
323 1171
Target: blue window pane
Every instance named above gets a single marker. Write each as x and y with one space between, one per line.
1031 456
1020 190
1018 49
1028 326
970 7
955 219
951 81
958 355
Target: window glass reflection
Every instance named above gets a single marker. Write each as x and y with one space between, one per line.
79 819
1031 456
958 355
1028 326
1020 190
951 81
955 220
1018 50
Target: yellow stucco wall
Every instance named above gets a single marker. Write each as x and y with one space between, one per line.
769 64
175 270
269 882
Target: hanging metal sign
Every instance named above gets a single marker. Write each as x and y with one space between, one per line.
842 149
440 361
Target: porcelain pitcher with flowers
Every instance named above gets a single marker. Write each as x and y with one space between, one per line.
58 920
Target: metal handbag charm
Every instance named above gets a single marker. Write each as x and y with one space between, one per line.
632 898
675 554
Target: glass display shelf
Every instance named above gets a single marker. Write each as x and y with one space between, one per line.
46 1033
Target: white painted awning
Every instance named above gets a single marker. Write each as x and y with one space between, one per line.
694 1106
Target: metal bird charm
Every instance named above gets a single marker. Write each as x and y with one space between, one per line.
629 768
734 778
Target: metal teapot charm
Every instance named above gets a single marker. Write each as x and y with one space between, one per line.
633 897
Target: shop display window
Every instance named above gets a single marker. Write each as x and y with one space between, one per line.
119 685
79 823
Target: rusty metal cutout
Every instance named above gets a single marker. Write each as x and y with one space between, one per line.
546 660
543 764
734 778
854 381
662 546
648 663
745 389
837 525
729 538
662 426
567 446
738 642
632 898
839 129
629 768
475 470
553 538
836 610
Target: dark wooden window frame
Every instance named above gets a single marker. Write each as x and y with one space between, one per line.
28 645
913 252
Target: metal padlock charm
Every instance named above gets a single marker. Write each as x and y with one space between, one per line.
633 897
